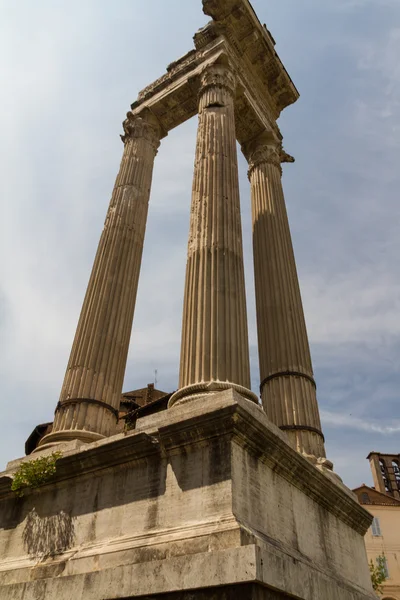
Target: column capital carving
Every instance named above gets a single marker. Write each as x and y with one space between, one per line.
262 151
136 127
217 76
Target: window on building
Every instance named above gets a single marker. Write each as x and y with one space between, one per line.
382 560
385 476
376 527
396 471
365 498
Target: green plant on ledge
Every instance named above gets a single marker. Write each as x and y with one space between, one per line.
378 573
34 473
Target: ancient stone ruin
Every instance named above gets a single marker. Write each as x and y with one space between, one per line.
212 496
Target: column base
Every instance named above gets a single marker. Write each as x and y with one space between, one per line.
60 437
199 391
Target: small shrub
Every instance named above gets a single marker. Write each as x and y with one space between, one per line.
130 420
378 573
35 472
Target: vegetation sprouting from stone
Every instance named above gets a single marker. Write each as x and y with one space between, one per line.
378 573
34 473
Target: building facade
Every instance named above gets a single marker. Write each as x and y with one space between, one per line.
382 540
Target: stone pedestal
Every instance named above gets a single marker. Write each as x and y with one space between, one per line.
288 388
215 350
205 502
90 396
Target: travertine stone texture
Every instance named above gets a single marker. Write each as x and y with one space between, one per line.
215 350
92 386
287 385
207 495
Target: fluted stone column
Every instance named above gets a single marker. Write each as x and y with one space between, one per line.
288 388
214 351
90 396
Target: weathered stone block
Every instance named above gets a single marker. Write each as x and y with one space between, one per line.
197 498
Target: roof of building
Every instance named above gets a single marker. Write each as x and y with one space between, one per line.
134 404
394 454
143 396
374 497
36 435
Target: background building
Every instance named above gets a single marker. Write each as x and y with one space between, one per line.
383 502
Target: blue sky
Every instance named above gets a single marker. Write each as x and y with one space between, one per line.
68 74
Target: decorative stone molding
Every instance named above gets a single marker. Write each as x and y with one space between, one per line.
264 155
286 158
137 127
201 390
219 77
261 152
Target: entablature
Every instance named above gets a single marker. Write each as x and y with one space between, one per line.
235 37
254 44
173 99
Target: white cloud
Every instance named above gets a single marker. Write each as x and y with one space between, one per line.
352 307
349 421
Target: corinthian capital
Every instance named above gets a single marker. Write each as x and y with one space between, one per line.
139 128
218 77
264 154
265 151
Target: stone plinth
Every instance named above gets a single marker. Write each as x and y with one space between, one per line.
198 503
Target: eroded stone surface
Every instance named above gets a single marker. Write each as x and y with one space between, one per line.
197 497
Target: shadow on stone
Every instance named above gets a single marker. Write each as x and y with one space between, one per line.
47 536
144 480
234 592
216 455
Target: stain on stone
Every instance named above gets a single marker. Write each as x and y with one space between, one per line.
48 536
93 520
12 513
47 571
155 478
219 461
152 515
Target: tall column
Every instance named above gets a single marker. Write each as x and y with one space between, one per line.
288 388
215 351
90 396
